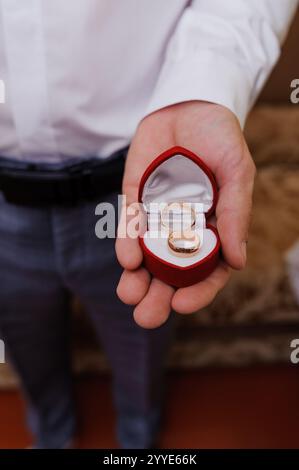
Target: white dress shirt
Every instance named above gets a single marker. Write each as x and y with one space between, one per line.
80 74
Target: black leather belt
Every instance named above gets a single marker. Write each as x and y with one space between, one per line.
30 184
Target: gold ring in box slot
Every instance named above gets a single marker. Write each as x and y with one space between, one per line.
180 208
184 243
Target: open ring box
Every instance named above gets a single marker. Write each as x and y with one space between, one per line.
179 175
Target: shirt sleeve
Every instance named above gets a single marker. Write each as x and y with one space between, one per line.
222 51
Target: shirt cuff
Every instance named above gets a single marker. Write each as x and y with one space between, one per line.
205 78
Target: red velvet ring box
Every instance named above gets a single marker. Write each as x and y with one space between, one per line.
180 175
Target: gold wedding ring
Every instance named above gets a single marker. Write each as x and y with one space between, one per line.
178 212
184 243
179 218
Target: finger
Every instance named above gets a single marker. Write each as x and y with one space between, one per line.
131 226
193 298
148 142
133 286
155 307
233 214
134 282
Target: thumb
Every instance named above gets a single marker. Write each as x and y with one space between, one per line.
233 214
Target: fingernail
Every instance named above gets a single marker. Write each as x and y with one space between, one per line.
244 251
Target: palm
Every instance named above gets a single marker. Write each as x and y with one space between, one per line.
212 132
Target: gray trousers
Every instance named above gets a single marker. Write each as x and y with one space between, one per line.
46 255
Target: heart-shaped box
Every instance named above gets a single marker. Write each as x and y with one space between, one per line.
179 175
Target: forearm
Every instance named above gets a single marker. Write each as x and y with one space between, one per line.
223 52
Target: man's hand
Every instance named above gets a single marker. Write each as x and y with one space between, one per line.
213 133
